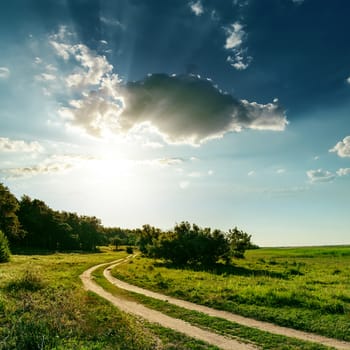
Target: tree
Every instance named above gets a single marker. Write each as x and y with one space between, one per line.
190 244
9 222
90 232
4 248
117 242
148 237
239 242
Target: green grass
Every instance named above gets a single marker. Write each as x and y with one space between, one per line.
263 340
43 306
302 288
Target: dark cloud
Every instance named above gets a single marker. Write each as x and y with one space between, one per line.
189 109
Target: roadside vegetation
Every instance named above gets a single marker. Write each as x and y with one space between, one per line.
301 288
43 306
262 339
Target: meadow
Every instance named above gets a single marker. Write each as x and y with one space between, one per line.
303 288
43 306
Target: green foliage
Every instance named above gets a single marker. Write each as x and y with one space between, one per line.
190 244
148 237
4 248
53 230
117 242
9 222
239 242
126 236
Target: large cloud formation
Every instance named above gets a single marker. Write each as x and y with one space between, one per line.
181 108
189 109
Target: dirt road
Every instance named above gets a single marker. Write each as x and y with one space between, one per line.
186 328
157 317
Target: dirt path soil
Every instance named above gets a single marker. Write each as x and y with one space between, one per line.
184 327
157 317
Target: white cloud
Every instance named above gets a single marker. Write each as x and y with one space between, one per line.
93 113
342 148
234 40
235 35
197 7
8 145
281 171
4 72
348 80
239 60
38 60
61 49
251 173
320 175
46 77
268 116
94 67
210 172
53 164
343 171
51 67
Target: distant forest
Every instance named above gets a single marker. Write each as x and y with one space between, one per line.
32 224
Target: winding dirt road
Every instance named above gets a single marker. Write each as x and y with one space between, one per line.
186 328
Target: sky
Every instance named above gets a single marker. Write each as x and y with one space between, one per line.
222 113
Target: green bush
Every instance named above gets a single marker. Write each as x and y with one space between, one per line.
4 248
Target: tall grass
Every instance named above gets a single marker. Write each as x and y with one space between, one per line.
303 288
43 306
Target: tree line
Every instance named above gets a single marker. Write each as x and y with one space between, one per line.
31 224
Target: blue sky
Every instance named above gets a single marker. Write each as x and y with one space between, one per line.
223 113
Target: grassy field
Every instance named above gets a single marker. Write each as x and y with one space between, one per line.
303 288
262 339
43 306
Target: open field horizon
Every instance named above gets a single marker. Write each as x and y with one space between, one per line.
302 288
